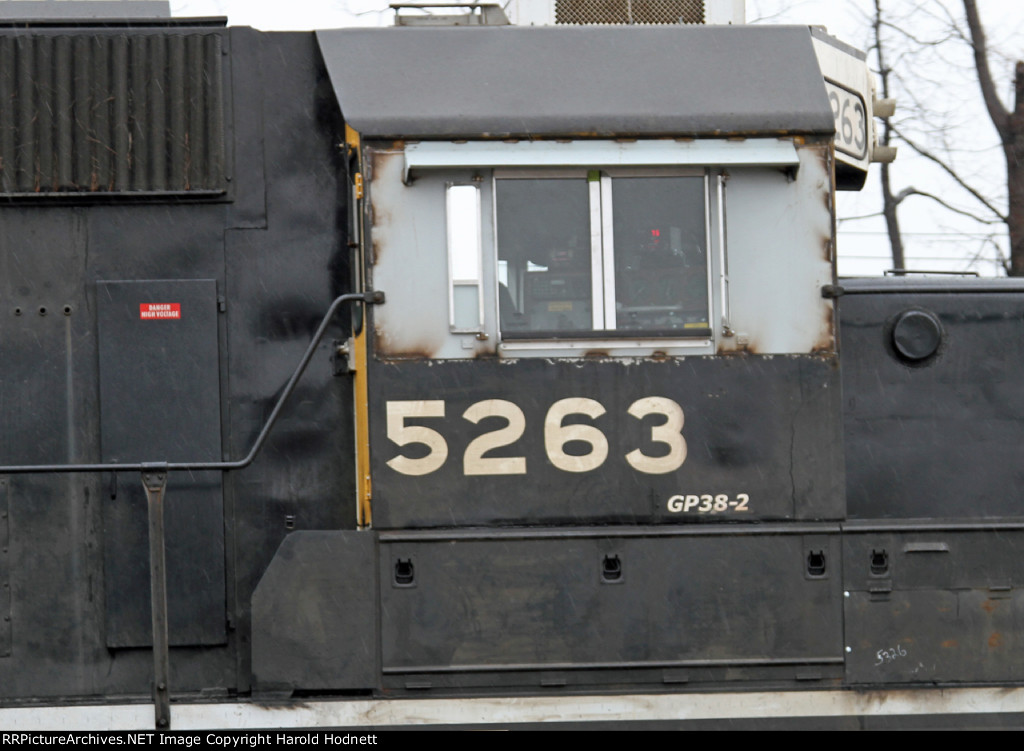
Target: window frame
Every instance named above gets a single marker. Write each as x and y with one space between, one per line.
473 281
603 300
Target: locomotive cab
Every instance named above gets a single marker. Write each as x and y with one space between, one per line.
603 392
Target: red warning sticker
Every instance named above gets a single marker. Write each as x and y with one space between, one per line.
152 311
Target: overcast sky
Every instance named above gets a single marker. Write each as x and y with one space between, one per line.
940 78
940 104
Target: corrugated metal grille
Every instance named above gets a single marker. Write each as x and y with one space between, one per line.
629 11
91 114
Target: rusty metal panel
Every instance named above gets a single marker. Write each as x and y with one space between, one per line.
933 603
410 260
780 255
770 254
934 635
123 114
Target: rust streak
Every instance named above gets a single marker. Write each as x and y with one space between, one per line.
382 349
737 349
799 136
826 345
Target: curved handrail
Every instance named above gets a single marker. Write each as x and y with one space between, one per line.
371 298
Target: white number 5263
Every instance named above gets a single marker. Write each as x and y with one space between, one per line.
556 435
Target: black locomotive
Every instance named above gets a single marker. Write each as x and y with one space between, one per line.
379 376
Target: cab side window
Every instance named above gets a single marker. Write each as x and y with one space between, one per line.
602 253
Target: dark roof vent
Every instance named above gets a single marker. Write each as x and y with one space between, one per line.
629 11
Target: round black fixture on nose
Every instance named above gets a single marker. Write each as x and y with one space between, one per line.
916 335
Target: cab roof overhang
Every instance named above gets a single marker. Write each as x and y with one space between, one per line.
577 82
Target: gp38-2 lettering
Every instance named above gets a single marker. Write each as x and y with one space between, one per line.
556 434
707 503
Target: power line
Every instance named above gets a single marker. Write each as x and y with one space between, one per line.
915 258
920 234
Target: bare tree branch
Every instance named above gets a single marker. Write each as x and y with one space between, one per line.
912 191
999 114
954 23
917 40
952 173
842 219
1000 257
889 204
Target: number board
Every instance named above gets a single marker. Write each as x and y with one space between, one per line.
536 441
848 110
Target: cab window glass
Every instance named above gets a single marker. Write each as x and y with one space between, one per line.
544 249
660 254
599 255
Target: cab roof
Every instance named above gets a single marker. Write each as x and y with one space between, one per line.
579 81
